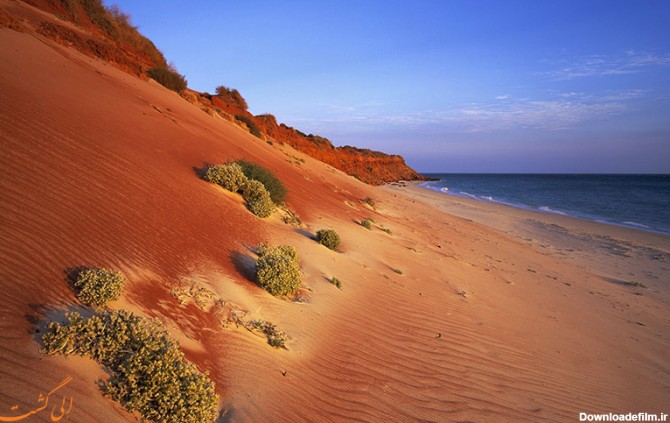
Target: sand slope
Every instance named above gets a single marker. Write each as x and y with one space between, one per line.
481 324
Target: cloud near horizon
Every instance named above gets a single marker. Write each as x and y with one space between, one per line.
600 65
557 112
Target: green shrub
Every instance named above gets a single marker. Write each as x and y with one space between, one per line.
253 128
275 336
328 238
336 282
278 269
169 78
367 223
149 372
258 199
98 286
258 173
229 176
231 96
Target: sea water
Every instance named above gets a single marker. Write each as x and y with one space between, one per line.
636 201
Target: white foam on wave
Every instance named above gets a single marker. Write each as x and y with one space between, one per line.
550 210
445 189
636 224
467 194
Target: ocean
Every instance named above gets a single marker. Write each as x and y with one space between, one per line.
635 201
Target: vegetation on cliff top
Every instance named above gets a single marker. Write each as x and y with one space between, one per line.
114 24
231 96
169 78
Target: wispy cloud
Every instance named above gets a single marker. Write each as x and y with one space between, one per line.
554 112
351 108
599 65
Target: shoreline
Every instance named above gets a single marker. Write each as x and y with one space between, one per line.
558 209
507 208
616 253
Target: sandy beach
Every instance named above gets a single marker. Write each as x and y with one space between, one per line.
450 309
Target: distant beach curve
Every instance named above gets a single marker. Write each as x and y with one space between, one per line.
634 201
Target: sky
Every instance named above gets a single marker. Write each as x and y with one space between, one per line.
453 86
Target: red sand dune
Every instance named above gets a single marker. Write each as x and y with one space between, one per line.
481 324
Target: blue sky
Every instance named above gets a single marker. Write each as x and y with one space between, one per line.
453 86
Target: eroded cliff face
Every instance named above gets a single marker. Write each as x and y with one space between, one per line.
372 167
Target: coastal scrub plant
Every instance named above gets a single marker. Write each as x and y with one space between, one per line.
149 373
253 128
258 199
328 238
271 183
98 286
367 223
275 336
169 78
231 96
278 269
229 176
336 282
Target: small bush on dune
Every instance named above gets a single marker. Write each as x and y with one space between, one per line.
149 372
229 176
367 223
233 177
169 78
328 238
98 286
278 269
336 282
275 336
258 199
271 183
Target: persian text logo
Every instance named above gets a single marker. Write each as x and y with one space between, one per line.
57 413
623 417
